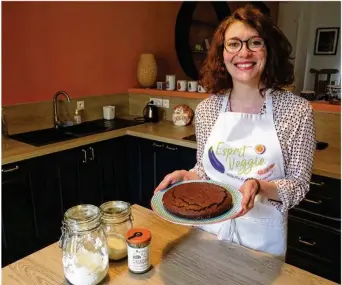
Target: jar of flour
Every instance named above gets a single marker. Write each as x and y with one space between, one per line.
83 242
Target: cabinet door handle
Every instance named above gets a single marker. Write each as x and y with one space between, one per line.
319 184
92 153
306 242
158 145
171 148
11 169
85 156
313 201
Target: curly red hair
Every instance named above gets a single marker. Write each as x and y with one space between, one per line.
278 71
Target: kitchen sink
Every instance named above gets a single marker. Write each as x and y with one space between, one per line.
51 135
43 137
87 128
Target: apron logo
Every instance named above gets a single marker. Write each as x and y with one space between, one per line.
215 162
260 148
235 158
266 169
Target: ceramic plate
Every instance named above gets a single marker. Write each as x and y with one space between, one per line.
158 207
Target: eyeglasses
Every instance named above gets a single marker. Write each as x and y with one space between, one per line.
235 45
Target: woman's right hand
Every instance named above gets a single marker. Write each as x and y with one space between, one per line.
176 176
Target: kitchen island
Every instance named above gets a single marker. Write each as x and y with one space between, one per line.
179 255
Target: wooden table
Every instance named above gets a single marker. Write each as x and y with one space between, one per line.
179 255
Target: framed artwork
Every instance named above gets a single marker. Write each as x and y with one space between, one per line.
326 41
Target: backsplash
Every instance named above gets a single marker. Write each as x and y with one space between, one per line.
36 116
137 102
39 115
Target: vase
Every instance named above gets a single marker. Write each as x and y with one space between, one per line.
147 70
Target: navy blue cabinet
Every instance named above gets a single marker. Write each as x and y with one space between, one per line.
150 161
37 192
18 216
314 230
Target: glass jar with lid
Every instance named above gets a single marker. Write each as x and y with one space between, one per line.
83 242
116 222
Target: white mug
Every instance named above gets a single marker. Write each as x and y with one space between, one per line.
108 112
170 82
192 86
181 85
200 89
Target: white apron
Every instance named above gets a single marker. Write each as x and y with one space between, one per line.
242 146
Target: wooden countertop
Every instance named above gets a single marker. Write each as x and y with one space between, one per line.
327 162
179 255
165 131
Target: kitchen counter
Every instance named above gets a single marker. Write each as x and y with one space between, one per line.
327 162
164 131
179 255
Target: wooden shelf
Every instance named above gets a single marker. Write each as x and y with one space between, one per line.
326 107
318 106
203 52
201 23
182 94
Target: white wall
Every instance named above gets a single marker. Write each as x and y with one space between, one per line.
299 21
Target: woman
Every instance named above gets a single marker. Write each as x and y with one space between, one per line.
263 136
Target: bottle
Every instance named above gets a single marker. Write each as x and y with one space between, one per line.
4 130
77 118
138 250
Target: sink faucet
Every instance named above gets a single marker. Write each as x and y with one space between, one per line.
56 122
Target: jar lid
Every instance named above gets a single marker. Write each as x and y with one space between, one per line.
82 217
138 235
115 211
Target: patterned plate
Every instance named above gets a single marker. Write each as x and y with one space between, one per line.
158 207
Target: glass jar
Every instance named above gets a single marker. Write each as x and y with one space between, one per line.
83 242
116 222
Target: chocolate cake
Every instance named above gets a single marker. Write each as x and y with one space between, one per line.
197 200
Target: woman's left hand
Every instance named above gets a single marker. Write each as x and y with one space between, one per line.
249 190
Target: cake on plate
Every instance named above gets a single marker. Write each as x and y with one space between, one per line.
197 200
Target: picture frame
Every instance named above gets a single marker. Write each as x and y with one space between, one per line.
326 41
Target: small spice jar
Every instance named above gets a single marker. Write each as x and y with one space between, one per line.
138 247
116 221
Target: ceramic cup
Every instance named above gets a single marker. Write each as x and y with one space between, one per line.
192 86
170 82
181 85
161 85
200 89
334 91
108 112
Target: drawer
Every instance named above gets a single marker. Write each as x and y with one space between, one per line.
324 197
328 270
324 186
13 171
314 239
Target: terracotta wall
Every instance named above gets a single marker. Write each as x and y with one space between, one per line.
85 48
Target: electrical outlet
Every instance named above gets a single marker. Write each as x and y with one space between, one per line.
157 101
166 103
80 105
